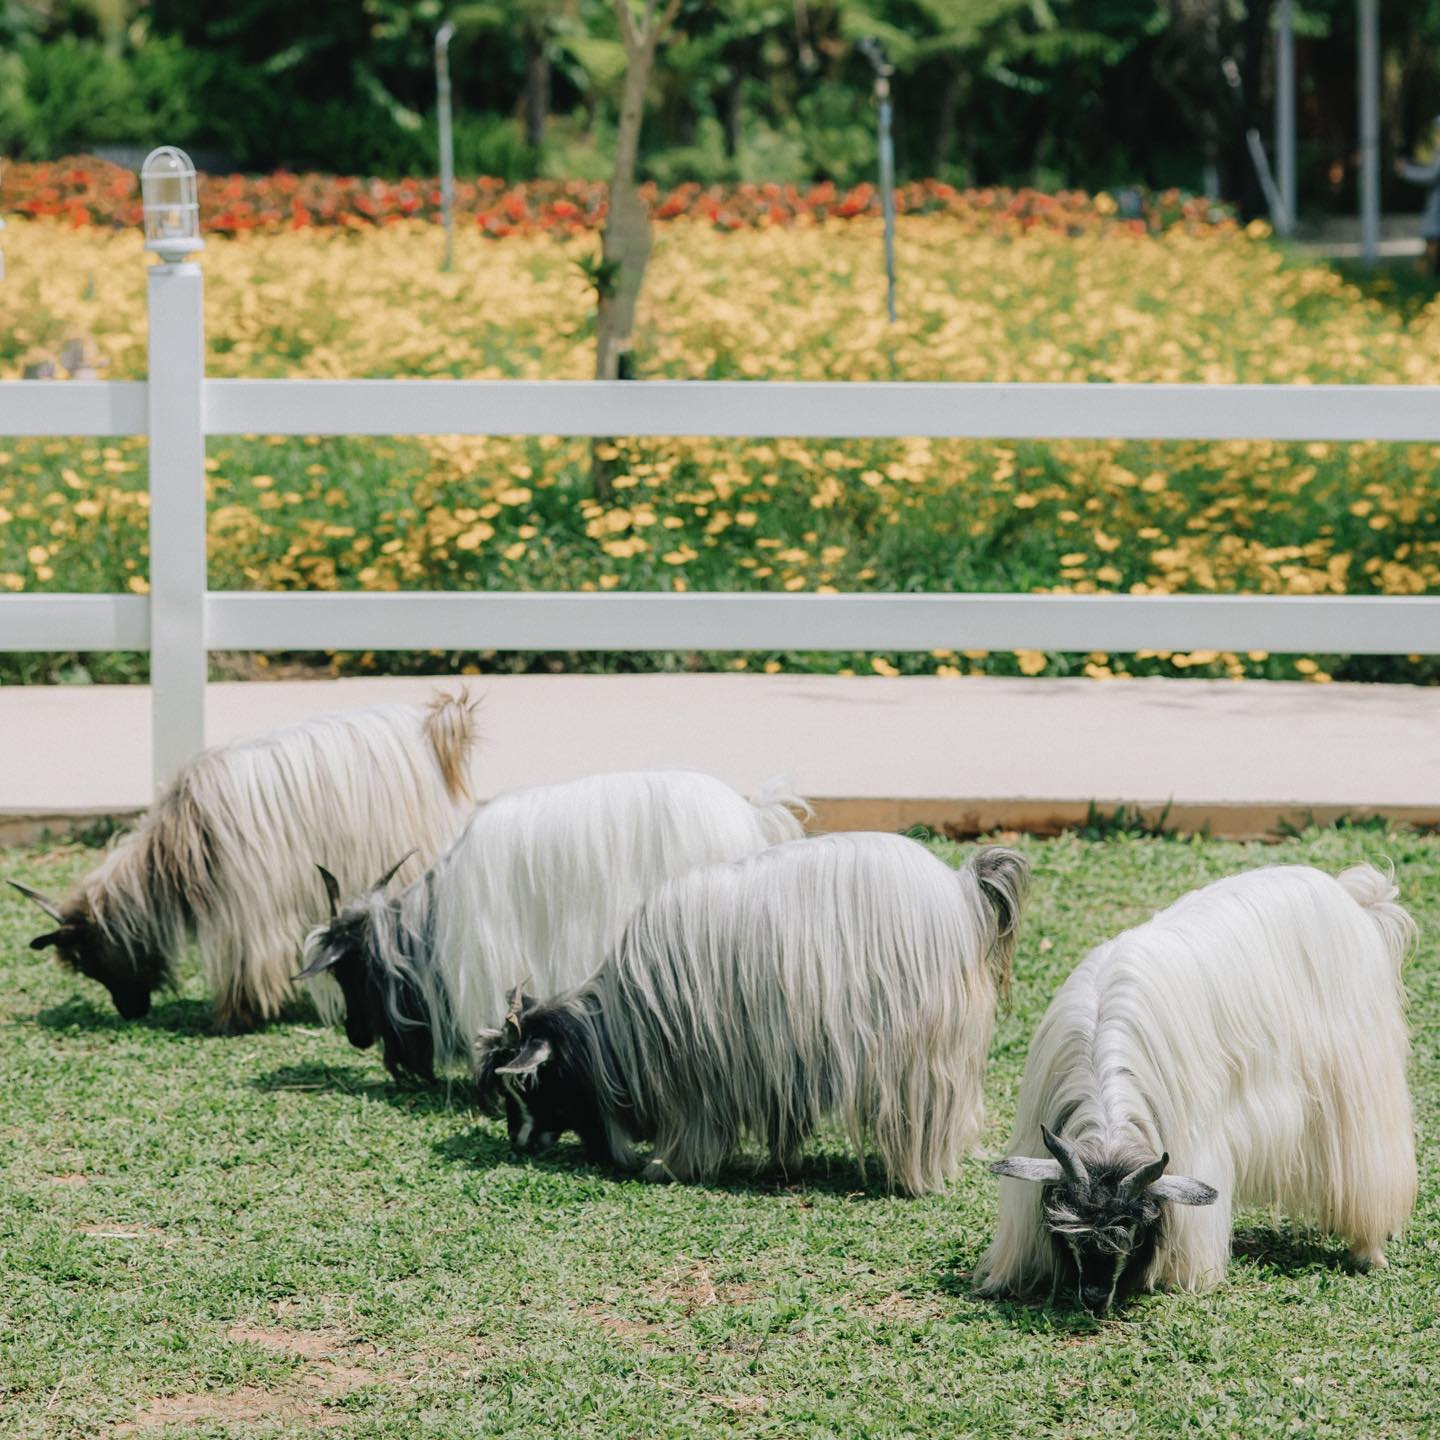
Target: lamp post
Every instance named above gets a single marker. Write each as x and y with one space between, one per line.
874 52
443 37
1285 111
1368 59
175 406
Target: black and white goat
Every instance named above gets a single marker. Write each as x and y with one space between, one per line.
541 882
226 857
851 977
1253 1034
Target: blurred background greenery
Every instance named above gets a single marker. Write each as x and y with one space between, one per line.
1090 93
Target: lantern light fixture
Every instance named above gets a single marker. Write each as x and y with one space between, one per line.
170 203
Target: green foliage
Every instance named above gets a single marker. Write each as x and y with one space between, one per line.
261 1237
1054 92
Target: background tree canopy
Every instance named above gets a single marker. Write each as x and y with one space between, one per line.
1046 92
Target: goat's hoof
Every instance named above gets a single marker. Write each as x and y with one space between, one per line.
657 1172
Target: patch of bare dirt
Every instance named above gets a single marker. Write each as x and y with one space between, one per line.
69 1177
695 1289
252 1403
741 1404
897 1306
327 1374
118 1232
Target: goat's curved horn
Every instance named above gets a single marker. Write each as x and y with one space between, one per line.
48 905
1144 1176
389 875
1066 1154
332 890
514 1005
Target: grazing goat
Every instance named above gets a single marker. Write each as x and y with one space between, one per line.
226 856
852 976
1254 1033
541 882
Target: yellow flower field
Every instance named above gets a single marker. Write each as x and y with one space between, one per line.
808 303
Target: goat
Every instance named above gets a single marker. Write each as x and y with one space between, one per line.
225 856
852 976
1254 1033
543 879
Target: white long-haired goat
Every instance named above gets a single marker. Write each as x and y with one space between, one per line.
850 976
227 855
1253 1034
540 883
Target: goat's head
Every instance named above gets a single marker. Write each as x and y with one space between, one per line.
529 1068
1104 1214
130 974
378 1006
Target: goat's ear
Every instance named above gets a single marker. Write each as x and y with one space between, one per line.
1027 1167
319 965
53 937
1182 1190
534 1054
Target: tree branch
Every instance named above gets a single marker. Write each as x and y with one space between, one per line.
627 26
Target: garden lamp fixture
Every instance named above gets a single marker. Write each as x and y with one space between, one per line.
172 210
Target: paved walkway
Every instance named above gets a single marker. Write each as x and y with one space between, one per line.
971 754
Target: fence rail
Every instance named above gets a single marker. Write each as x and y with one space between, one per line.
180 621
724 408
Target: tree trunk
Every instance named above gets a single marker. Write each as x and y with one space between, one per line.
947 113
626 245
537 89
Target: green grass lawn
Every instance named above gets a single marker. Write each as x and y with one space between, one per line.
263 1237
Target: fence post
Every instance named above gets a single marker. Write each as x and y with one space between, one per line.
175 398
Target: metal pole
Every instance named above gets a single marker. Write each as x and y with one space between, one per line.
175 404
887 191
443 36
874 52
1285 111
1369 52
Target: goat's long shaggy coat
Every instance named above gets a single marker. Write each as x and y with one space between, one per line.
1254 1030
851 977
227 856
540 884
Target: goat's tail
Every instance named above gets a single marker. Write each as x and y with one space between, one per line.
451 732
1003 877
1379 896
783 814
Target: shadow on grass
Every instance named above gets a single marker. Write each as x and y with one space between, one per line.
177 1016
1286 1252
480 1146
360 1080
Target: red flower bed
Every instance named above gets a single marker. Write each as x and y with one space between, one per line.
87 191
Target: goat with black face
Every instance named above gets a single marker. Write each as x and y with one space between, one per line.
848 977
222 859
541 880
1104 1219
1255 1030
386 1005
130 969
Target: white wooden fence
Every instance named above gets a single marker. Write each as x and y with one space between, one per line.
181 620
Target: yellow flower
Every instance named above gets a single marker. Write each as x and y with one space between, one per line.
1031 662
